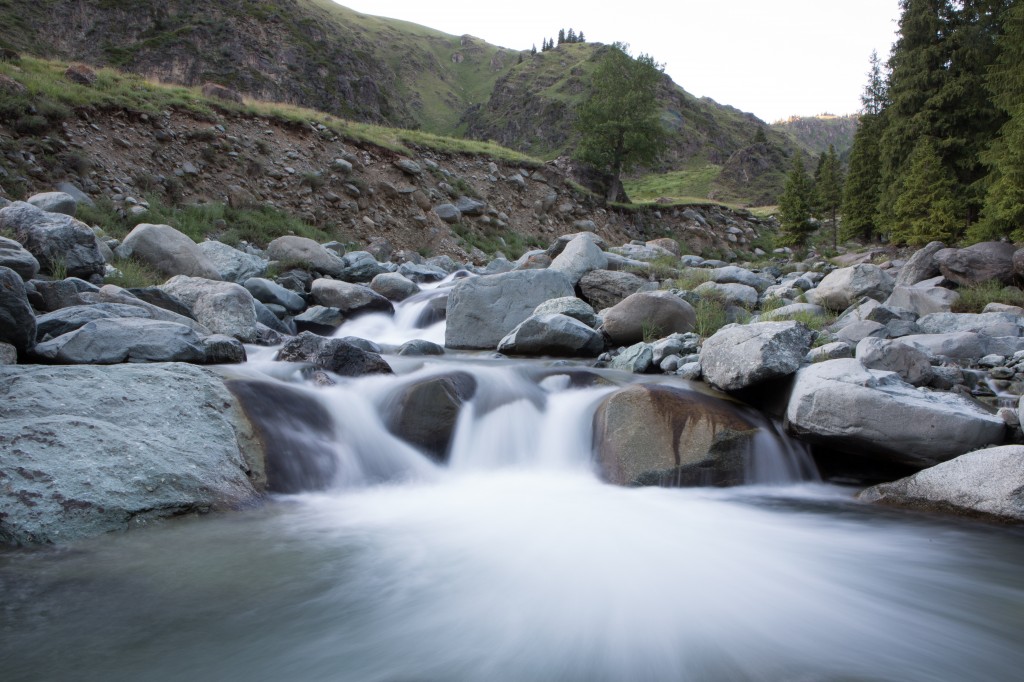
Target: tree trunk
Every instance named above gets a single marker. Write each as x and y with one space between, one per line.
615 184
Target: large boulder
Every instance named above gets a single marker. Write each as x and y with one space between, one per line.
424 412
843 287
580 256
64 320
109 293
110 341
967 346
740 356
648 313
87 450
983 484
571 306
741 295
231 264
923 300
351 299
291 251
871 413
977 263
394 286
17 321
167 250
605 288
361 266
222 307
482 310
649 434
552 334
335 355
16 257
989 324
269 292
54 202
56 240
732 274
921 266
907 360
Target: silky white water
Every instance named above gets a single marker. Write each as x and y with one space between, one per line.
515 562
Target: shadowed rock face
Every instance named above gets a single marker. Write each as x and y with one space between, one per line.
296 433
663 435
424 413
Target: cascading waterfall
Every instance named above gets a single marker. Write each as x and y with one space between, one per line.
513 561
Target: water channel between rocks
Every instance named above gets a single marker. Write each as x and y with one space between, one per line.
513 561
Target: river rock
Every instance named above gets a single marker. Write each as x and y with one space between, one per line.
269 292
8 354
571 306
731 274
61 293
17 321
223 350
56 240
982 484
418 347
394 286
481 311
637 359
853 332
649 434
69 319
552 334
424 412
580 256
908 361
977 263
921 266
966 346
420 273
109 293
222 307
168 251
14 256
361 266
841 288
336 355
870 413
231 264
740 356
653 314
114 340
319 320
605 288
292 251
729 294
350 299
923 300
133 462
54 202
989 324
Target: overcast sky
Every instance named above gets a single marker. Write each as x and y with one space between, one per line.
773 58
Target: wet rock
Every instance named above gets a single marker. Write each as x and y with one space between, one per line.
335 355
420 347
361 266
319 319
424 412
394 286
269 292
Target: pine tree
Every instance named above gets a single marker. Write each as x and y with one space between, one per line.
861 189
570 37
580 38
533 49
876 92
925 208
561 36
828 186
1003 212
795 204
619 121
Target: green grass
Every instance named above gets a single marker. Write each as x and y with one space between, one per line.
973 299
490 241
711 316
133 274
689 279
680 186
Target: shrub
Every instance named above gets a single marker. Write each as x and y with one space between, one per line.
973 299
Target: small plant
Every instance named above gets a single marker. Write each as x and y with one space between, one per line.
651 331
59 269
664 267
690 278
711 315
134 274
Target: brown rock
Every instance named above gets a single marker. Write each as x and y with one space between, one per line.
648 312
977 263
81 74
221 92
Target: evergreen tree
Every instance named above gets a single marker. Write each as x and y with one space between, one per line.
1004 201
876 92
533 49
828 186
561 36
619 122
580 38
861 189
570 37
925 208
795 204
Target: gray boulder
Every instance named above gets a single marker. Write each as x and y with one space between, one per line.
448 213
649 434
424 412
300 252
132 461
921 266
830 351
982 484
14 256
64 320
794 310
989 324
56 240
957 345
54 202
17 321
335 355
637 359
841 288
111 341
350 299
60 293
580 256
319 320
654 314
923 300
222 307
869 413
361 266
269 292
552 334
418 272
481 311
605 288
394 286
168 251
731 274
740 356
470 206
109 293
853 332
571 306
908 361
741 295
231 264
977 263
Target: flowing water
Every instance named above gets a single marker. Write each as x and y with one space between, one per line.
515 562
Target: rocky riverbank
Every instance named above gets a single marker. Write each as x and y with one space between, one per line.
866 362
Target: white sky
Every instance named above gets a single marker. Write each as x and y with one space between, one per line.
772 58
